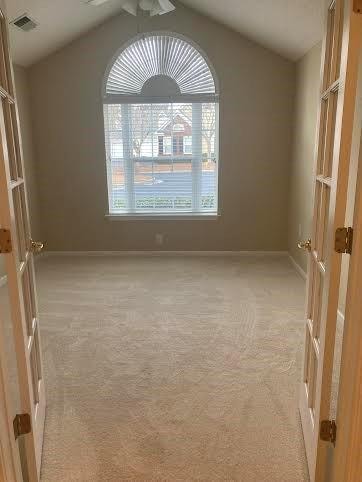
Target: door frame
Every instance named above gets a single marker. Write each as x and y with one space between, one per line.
348 458
347 25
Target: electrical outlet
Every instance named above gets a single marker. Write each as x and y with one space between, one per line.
300 230
159 239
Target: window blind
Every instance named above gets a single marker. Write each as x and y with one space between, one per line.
162 158
155 55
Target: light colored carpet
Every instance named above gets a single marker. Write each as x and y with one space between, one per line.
172 369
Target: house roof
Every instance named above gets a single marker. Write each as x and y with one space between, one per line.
289 27
167 122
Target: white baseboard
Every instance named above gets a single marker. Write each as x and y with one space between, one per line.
297 267
165 253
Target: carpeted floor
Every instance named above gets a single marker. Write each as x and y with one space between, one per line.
172 369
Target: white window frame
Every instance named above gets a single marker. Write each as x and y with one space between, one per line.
196 100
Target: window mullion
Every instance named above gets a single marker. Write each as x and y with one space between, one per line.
196 155
109 161
127 155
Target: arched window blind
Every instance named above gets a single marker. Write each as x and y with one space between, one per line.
160 55
161 129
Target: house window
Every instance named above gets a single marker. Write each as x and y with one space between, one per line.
160 145
161 118
187 147
167 145
178 145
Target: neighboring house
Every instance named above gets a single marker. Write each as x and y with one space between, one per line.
171 136
174 138
175 134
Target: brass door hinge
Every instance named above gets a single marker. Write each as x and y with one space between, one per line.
22 424
343 240
357 6
5 241
328 431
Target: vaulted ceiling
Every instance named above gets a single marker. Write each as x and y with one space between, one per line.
289 27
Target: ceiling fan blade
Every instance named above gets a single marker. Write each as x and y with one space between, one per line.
166 6
156 10
95 3
155 7
130 6
162 7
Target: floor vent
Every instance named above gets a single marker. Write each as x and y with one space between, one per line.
25 23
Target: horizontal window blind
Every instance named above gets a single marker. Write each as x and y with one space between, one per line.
162 158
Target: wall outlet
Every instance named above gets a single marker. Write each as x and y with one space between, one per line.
159 238
300 231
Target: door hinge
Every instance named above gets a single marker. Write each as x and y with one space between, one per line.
328 431
343 240
22 424
5 241
357 6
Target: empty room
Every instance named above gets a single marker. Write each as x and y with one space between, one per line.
180 241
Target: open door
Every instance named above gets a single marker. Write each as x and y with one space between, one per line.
16 251
341 50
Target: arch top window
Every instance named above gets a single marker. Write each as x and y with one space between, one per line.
161 129
160 65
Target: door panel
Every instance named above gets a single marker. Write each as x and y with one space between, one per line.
336 114
19 266
12 461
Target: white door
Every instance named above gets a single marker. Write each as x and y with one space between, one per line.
343 29
17 250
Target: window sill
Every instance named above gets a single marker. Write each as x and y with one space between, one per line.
163 217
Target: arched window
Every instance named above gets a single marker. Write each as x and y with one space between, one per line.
161 129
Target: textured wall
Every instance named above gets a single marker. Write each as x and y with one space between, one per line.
256 117
301 180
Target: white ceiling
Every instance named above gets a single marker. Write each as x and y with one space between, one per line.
289 27
60 21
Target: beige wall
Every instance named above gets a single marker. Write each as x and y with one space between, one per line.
301 186
23 99
256 118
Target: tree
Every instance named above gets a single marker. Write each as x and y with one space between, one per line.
208 126
141 126
208 123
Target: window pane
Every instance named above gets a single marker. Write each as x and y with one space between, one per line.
163 157
118 185
142 128
209 160
208 183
